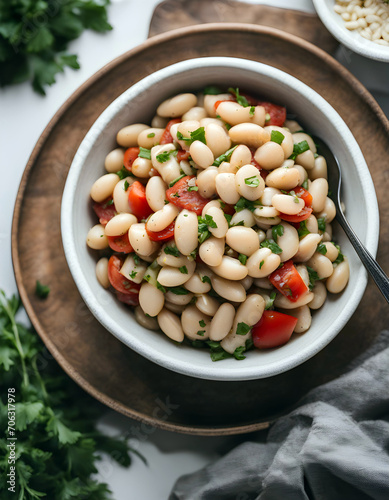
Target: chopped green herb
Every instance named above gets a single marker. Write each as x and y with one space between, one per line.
183 270
212 90
321 223
313 277
298 149
192 188
176 195
179 290
238 353
277 136
109 203
217 352
276 231
270 302
224 157
207 221
305 184
201 333
302 229
165 155
126 186
261 264
240 99
151 135
242 258
133 274
176 180
172 250
252 181
193 254
204 235
144 153
123 173
136 259
42 291
206 279
339 258
202 323
252 110
160 287
196 135
267 117
242 203
270 243
243 329
228 218
321 248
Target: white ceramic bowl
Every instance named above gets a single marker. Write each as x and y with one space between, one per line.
138 104
351 39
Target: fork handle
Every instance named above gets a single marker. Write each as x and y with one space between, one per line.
376 272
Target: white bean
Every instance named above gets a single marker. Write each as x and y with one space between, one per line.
319 192
293 126
247 282
283 178
240 156
169 169
220 221
226 188
230 268
320 295
321 264
206 182
288 242
114 160
120 224
156 193
287 141
270 155
250 312
102 272
150 137
159 122
177 105
263 283
233 291
307 247
262 263
304 318
329 211
211 251
145 321
196 285
218 141
312 224
103 187
211 100
185 232
287 204
120 195
332 252
133 271
195 113
249 134
303 272
339 278
249 183
319 170
233 113
301 136
222 322
141 167
213 203
306 160
174 308
170 324
162 218
171 276
96 238
267 196
128 136
185 128
207 304
201 154
284 303
195 324
303 174
179 300
242 239
245 216
140 240
151 299
226 168
165 258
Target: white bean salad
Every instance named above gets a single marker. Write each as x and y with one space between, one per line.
215 223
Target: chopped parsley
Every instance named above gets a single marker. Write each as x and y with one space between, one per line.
202 323
133 274
238 353
179 290
160 287
339 258
321 223
126 186
201 333
240 99
144 153
165 155
252 181
276 231
270 302
302 229
242 258
42 291
313 277
183 270
243 329
176 180
211 90
224 157
203 224
109 203
192 188
206 279
321 248
272 245
267 117
277 136
123 173
172 250
298 149
261 264
216 351
136 259
252 110
196 135
305 184
242 203
151 135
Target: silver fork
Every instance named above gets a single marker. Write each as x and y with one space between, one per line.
334 182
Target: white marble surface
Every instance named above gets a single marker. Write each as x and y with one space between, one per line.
23 116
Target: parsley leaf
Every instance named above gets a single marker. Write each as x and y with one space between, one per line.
242 258
321 248
176 180
164 157
252 110
276 231
183 270
270 302
196 135
269 243
321 223
123 173
151 135
302 229
305 184
201 333
145 153
277 136
252 181
242 203
212 90
313 277
243 329
339 258
240 99
179 290
193 188
224 157
42 291
172 250
206 279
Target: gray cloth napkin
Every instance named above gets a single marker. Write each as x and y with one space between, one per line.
335 445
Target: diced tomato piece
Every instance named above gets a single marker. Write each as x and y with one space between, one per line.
273 329
130 156
131 299
182 155
302 215
179 195
288 281
167 137
117 280
304 195
105 211
277 113
165 234
120 243
137 201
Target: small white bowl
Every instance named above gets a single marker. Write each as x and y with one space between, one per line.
138 104
351 39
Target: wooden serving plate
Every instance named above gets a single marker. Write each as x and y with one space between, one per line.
94 358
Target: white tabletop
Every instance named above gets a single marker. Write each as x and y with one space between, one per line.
23 116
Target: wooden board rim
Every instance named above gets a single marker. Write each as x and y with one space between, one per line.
174 34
